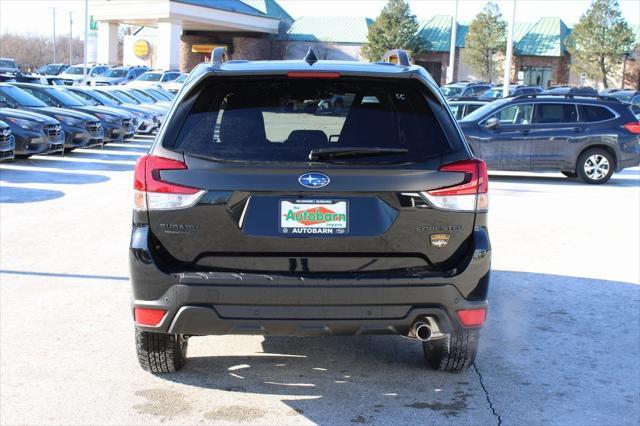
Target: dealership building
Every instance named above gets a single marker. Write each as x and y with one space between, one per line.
178 34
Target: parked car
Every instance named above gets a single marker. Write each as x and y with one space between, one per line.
159 93
578 136
116 124
629 96
74 75
39 79
158 111
155 78
462 108
464 89
79 129
118 75
175 85
144 119
144 95
569 90
383 229
7 142
32 133
8 66
514 90
52 69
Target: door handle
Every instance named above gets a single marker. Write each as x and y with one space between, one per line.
578 129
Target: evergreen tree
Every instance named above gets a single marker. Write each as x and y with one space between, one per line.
599 40
486 37
395 28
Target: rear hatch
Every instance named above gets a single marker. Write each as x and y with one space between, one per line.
313 176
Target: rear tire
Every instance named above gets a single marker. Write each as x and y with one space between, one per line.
570 174
595 166
455 352
161 352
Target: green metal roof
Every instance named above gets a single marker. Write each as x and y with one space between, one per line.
436 31
544 38
339 29
269 8
265 8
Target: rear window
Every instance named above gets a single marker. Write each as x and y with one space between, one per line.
593 113
284 119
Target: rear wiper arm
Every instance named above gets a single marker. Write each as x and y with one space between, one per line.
331 153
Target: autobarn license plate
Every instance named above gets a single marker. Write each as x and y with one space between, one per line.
308 217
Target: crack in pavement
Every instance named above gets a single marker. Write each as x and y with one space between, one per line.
486 393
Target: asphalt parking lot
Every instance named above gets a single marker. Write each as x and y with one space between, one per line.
562 343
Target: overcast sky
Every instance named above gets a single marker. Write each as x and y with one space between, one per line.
36 16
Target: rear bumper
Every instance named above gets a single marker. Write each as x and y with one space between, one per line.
228 303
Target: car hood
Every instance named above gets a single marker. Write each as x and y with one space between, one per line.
108 79
101 110
52 111
26 115
154 108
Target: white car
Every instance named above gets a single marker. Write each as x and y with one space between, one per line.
175 85
74 75
155 78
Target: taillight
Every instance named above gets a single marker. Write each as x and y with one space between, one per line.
313 74
152 193
472 317
148 316
633 127
470 195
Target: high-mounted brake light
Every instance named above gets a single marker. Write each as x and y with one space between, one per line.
470 195
633 127
148 316
305 74
152 193
472 317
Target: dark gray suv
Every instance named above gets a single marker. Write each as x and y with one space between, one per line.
589 137
257 211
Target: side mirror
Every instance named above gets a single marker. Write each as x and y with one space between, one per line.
4 104
492 123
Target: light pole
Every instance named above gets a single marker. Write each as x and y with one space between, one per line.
507 60
54 34
452 47
70 39
624 67
86 36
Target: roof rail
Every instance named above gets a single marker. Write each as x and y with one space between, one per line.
219 56
398 57
566 96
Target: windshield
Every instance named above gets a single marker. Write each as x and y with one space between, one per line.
64 98
85 99
494 93
21 97
53 69
74 70
150 76
142 96
450 91
484 110
158 95
622 96
290 120
125 97
111 96
116 73
6 63
100 97
181 79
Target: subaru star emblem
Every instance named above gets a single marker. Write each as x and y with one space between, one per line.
314 180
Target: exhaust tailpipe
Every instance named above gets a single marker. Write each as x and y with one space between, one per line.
422 331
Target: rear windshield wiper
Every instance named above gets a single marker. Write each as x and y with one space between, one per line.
331 153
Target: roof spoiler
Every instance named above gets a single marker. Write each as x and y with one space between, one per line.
219 56
398 57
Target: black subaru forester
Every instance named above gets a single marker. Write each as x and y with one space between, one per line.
262 209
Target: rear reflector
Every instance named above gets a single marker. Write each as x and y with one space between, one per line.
633 127
152 193
470 195
305 74
472 317
148 316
